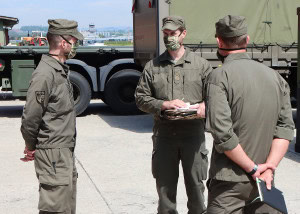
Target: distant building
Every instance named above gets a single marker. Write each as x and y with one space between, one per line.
6 23
92 28
105 34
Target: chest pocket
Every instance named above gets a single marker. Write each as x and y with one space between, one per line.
160 84
192 88
61 99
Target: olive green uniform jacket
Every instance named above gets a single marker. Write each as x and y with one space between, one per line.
162 81
48 119
248 104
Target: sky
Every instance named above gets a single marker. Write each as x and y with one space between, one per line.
102 13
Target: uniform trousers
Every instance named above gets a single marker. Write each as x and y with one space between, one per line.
226 197
166 156
57 175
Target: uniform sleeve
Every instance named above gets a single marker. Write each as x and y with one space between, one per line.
285 125
218 121
207 69
144 94
36 102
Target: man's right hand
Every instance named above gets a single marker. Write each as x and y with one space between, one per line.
29 155
262 168
173 104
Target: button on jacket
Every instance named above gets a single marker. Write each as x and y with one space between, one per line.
165 80
248 103
48 119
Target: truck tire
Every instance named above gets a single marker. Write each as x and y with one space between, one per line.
119 91
81 92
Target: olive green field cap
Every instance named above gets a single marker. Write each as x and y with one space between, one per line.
64 27
231 26
173 23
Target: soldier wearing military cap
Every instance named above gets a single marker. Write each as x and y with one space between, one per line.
250 118
48 121
168 82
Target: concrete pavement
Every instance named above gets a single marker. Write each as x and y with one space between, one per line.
113 157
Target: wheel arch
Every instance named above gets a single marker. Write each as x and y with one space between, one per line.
88 72
117 65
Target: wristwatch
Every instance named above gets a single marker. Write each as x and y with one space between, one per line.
253 170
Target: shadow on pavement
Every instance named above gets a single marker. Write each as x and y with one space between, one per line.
141 123
11 111
291 154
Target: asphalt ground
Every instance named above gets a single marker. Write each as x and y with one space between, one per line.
113 157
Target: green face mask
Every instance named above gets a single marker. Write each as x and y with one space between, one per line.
172 42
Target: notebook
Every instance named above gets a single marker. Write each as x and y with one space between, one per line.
273 197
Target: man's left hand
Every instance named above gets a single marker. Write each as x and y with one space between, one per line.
29 155
200 109
268 177
262 168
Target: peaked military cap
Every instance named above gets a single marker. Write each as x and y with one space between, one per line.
64 27
173 23
231 26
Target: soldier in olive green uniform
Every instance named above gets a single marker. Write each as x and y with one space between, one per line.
175 77
48 121
250 118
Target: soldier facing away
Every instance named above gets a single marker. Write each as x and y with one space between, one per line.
250 118
176 75
48 121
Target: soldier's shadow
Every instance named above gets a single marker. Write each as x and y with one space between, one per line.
141 123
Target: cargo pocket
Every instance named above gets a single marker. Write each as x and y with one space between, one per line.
204 164
154 160
54 192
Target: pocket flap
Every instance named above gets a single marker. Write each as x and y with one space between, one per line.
204 152
54 179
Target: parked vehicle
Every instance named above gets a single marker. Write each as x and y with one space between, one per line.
111 73
272 26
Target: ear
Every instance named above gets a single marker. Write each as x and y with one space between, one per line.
248 39
219 41
183 33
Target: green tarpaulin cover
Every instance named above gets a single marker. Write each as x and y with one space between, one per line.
269 21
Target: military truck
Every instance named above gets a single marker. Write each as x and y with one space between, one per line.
272 26
97 72
112 73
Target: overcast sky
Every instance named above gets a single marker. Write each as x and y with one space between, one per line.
102 13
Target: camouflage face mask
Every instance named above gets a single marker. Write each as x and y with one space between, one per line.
172 42
72 53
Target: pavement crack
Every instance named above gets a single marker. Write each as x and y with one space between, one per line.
97 189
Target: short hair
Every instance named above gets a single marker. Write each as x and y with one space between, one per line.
235 42
181 29
55 39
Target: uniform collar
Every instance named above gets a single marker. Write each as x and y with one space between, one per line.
57 65
236 56
185 58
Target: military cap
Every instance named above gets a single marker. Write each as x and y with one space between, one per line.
173 23
231 26
64 27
